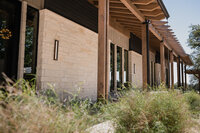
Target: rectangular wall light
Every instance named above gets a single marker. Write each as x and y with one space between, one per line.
56 45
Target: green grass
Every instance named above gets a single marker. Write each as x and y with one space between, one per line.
24 110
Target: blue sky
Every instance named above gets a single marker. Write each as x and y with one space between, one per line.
183 13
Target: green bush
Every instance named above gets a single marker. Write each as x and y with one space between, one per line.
193 99
158 112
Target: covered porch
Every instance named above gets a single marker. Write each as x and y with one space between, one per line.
143 19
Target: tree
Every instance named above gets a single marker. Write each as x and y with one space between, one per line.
194 43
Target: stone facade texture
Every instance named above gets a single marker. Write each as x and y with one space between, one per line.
75 71
135 69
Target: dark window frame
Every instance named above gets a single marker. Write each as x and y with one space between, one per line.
34 65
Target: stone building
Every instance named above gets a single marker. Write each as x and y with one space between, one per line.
88 46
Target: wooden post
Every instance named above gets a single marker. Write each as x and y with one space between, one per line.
20 72
185 77
172 69
103 20
168 64
122 66
182 74
178 72
162 62
115 67
199 83
144 56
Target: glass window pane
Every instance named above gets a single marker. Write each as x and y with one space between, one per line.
112 67
31 42
119 67
125 66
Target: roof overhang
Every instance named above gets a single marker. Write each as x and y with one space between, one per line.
193 71
130 14
164 9
168 36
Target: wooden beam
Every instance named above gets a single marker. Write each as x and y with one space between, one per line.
154 13
140 16
150 7
159 22
102 48
117 5
155 32
172 69
143 2
130 25
159 17
162 62
128 21
133 9
115 1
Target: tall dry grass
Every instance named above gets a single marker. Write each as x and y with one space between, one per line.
24 110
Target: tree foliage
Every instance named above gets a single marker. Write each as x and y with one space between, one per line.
194 43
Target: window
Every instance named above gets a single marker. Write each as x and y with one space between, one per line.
125 66
112 65
10 11
119 67
30 60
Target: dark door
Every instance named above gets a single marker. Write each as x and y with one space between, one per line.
9 37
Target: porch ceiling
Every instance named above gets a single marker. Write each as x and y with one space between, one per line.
151 9
148 9
130 14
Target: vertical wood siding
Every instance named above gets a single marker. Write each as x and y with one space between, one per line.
79 11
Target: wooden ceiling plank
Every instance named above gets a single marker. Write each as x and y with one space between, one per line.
124 24
143 2
150 7
159 23
128 21
133 9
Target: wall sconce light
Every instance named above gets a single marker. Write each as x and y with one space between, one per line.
56 45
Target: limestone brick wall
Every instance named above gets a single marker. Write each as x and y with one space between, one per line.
118 38
135 69
76 68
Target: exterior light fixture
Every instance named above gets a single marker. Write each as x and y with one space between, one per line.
56 46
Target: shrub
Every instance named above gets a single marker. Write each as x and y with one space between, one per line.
193 99
158 112
23 110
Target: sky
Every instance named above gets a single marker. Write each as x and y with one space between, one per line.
183 13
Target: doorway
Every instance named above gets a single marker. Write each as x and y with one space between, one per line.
10 11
